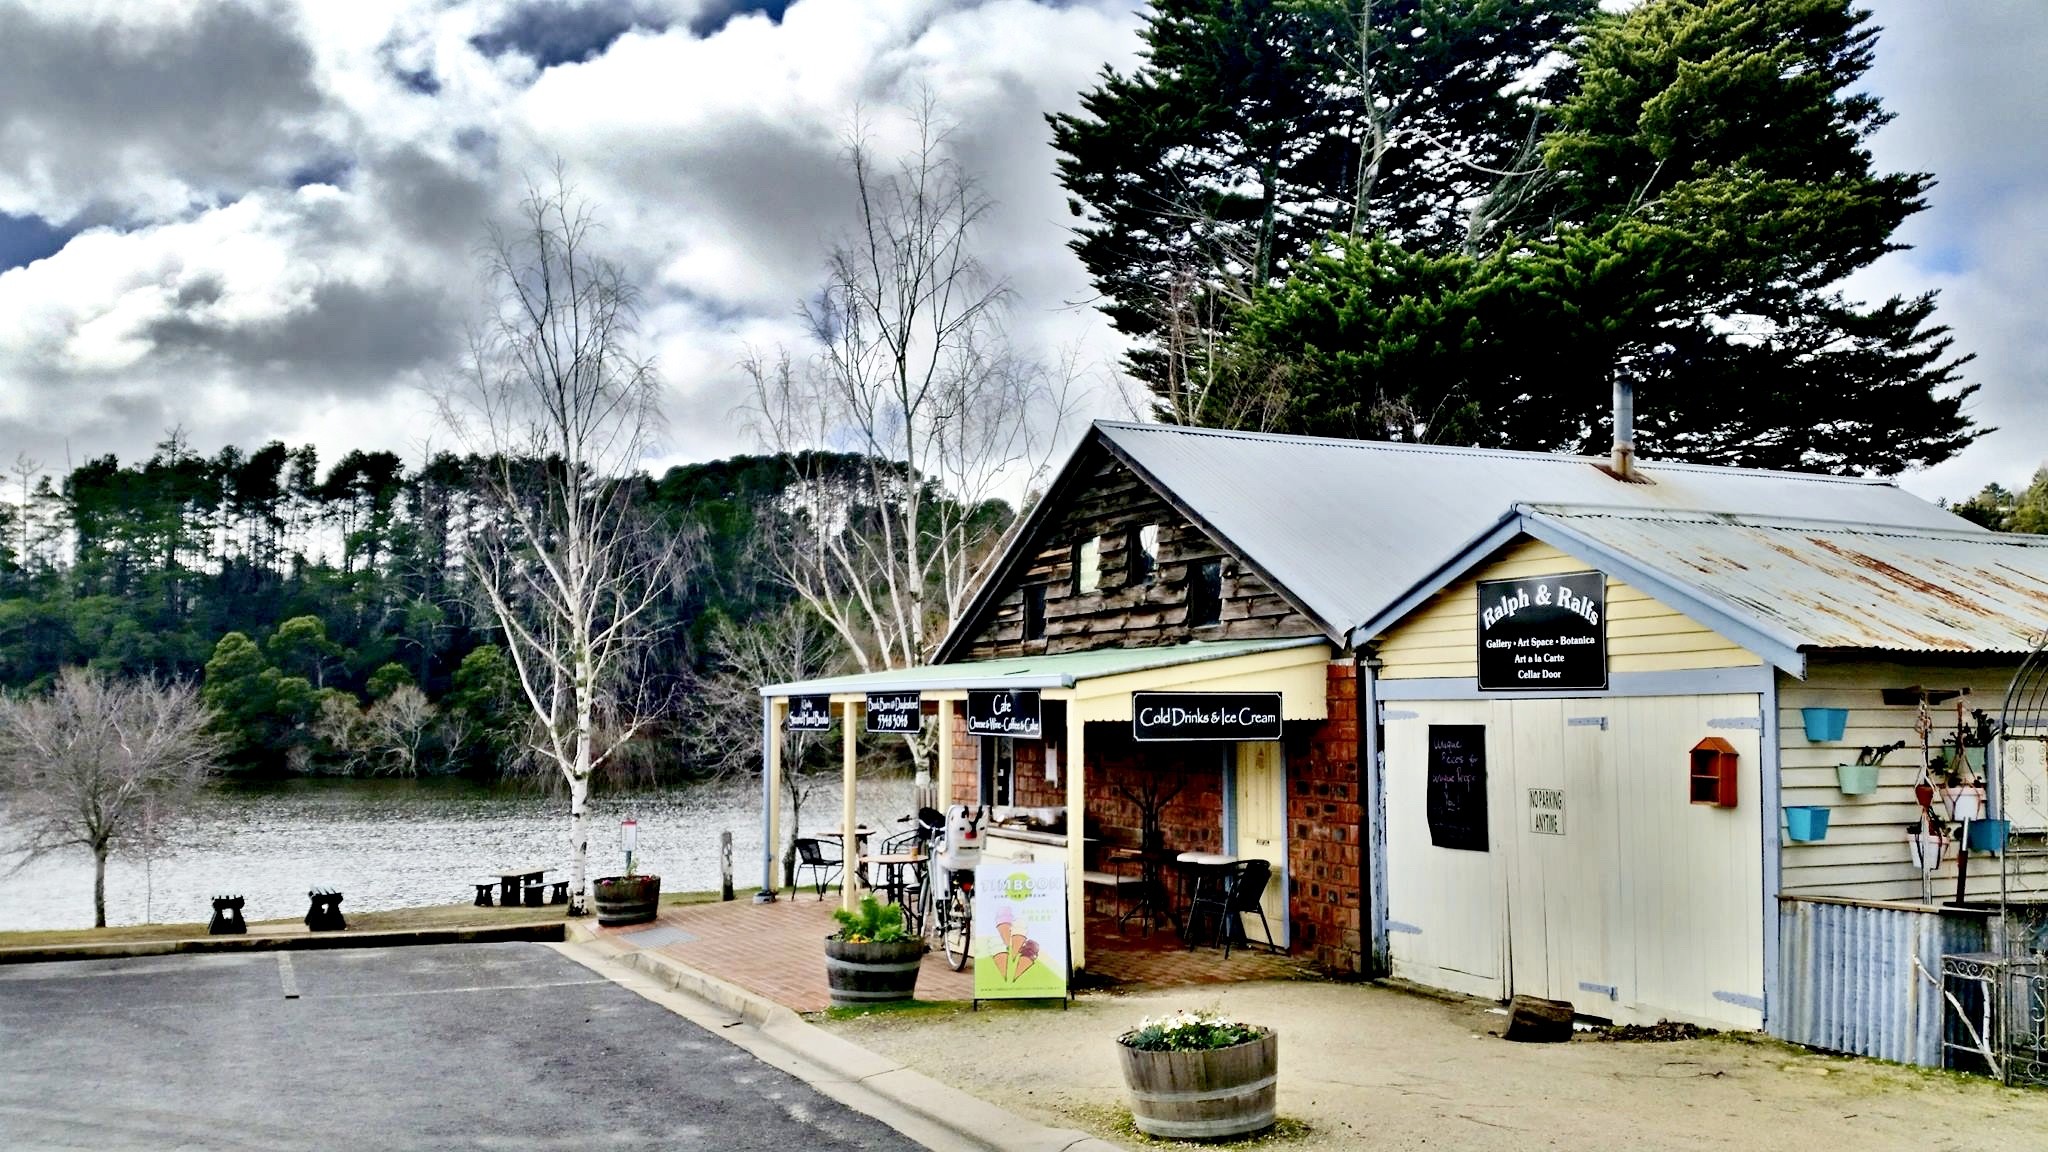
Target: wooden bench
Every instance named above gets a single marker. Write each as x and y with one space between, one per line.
484 888
558 892
227 917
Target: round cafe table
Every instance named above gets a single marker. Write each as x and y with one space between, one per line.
1202 870
898 873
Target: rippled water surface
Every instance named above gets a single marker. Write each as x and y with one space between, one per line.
393 843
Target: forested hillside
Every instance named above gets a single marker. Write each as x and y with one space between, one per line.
328 610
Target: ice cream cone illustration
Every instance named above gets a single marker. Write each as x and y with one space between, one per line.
1002 962
1026 957
1005 921
1018 944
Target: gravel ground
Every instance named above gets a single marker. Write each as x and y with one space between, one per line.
1372 1067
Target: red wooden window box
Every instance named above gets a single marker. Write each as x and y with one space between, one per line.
1713 772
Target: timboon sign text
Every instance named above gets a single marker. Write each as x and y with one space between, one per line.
1205 715
1543 632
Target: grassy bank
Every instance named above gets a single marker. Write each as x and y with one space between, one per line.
463 915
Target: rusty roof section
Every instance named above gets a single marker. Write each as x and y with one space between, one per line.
1828 584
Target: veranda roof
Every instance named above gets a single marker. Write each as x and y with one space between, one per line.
1064 670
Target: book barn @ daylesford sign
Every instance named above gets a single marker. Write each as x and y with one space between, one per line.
1543 632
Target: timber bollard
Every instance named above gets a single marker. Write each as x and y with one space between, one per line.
725 864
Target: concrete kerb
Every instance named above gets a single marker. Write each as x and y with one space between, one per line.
547 933
967 1121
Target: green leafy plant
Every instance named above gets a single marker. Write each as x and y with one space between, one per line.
873 923
1189 1032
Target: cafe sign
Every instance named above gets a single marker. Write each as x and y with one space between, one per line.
895 712
1543 632
1205 715
810 713
1014 712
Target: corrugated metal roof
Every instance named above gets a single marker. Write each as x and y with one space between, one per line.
1346 527
1060 671
1825 584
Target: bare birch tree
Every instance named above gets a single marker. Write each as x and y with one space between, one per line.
790 643
912 370
556 400
97 762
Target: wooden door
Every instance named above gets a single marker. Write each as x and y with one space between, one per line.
1562 883
1261 810
1445 905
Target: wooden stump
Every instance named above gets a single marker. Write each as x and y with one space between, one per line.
1534 1020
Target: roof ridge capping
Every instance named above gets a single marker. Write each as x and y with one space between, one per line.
1787 523
1649 465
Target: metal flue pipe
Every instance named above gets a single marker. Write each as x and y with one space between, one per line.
1624 428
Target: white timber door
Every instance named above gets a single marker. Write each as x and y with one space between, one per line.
1445 880
1565 869
1261 808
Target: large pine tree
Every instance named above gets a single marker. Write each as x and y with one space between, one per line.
1713 189
1254 129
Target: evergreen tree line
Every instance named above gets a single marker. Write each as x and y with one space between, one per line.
329 617
1466 221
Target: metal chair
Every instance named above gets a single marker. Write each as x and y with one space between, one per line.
810 854
1244 885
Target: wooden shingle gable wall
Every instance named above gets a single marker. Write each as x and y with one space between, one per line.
1104 501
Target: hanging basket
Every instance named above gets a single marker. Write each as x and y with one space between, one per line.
1805 824
1856 779
1825 725
1925 850
1965 802
1988 835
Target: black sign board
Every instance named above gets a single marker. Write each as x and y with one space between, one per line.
895 712
1009 713
1455 799
810 713
1543 632
1205 715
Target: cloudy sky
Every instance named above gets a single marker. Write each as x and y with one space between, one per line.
258 219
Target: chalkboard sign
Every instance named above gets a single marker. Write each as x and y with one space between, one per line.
895 712
1543 632
1011 713
1205 715
1455 801
810 713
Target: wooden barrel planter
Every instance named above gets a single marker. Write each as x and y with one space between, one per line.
1217 1094
627 899
872 973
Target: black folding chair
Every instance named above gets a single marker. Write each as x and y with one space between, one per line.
1244 885
810 854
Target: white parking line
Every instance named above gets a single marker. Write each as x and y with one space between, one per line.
286 977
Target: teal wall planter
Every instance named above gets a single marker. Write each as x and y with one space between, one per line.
1806 824
1988 835
1856 779
1825 725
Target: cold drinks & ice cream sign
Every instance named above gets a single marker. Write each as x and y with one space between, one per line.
1543 632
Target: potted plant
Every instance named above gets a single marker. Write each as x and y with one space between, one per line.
872 959
630 899
1860 778
1200 1076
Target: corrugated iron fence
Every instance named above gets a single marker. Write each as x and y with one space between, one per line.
1863 978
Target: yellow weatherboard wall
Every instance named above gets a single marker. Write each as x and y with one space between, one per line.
1441 637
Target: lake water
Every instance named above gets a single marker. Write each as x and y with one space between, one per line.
400 843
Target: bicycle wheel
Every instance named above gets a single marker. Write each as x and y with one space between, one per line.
956 929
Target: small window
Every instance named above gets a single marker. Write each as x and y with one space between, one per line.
1034 612
1088 565
1141 553
998 770
1205 593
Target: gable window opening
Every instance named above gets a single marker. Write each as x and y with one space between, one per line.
1141 553
1034 612
1205 593
1088 566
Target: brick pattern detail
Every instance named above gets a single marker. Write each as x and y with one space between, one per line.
1325 814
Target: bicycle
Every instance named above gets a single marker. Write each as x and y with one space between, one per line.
955 911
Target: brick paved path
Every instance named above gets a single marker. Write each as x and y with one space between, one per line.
776 950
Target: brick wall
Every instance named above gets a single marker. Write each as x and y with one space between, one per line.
1325 812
